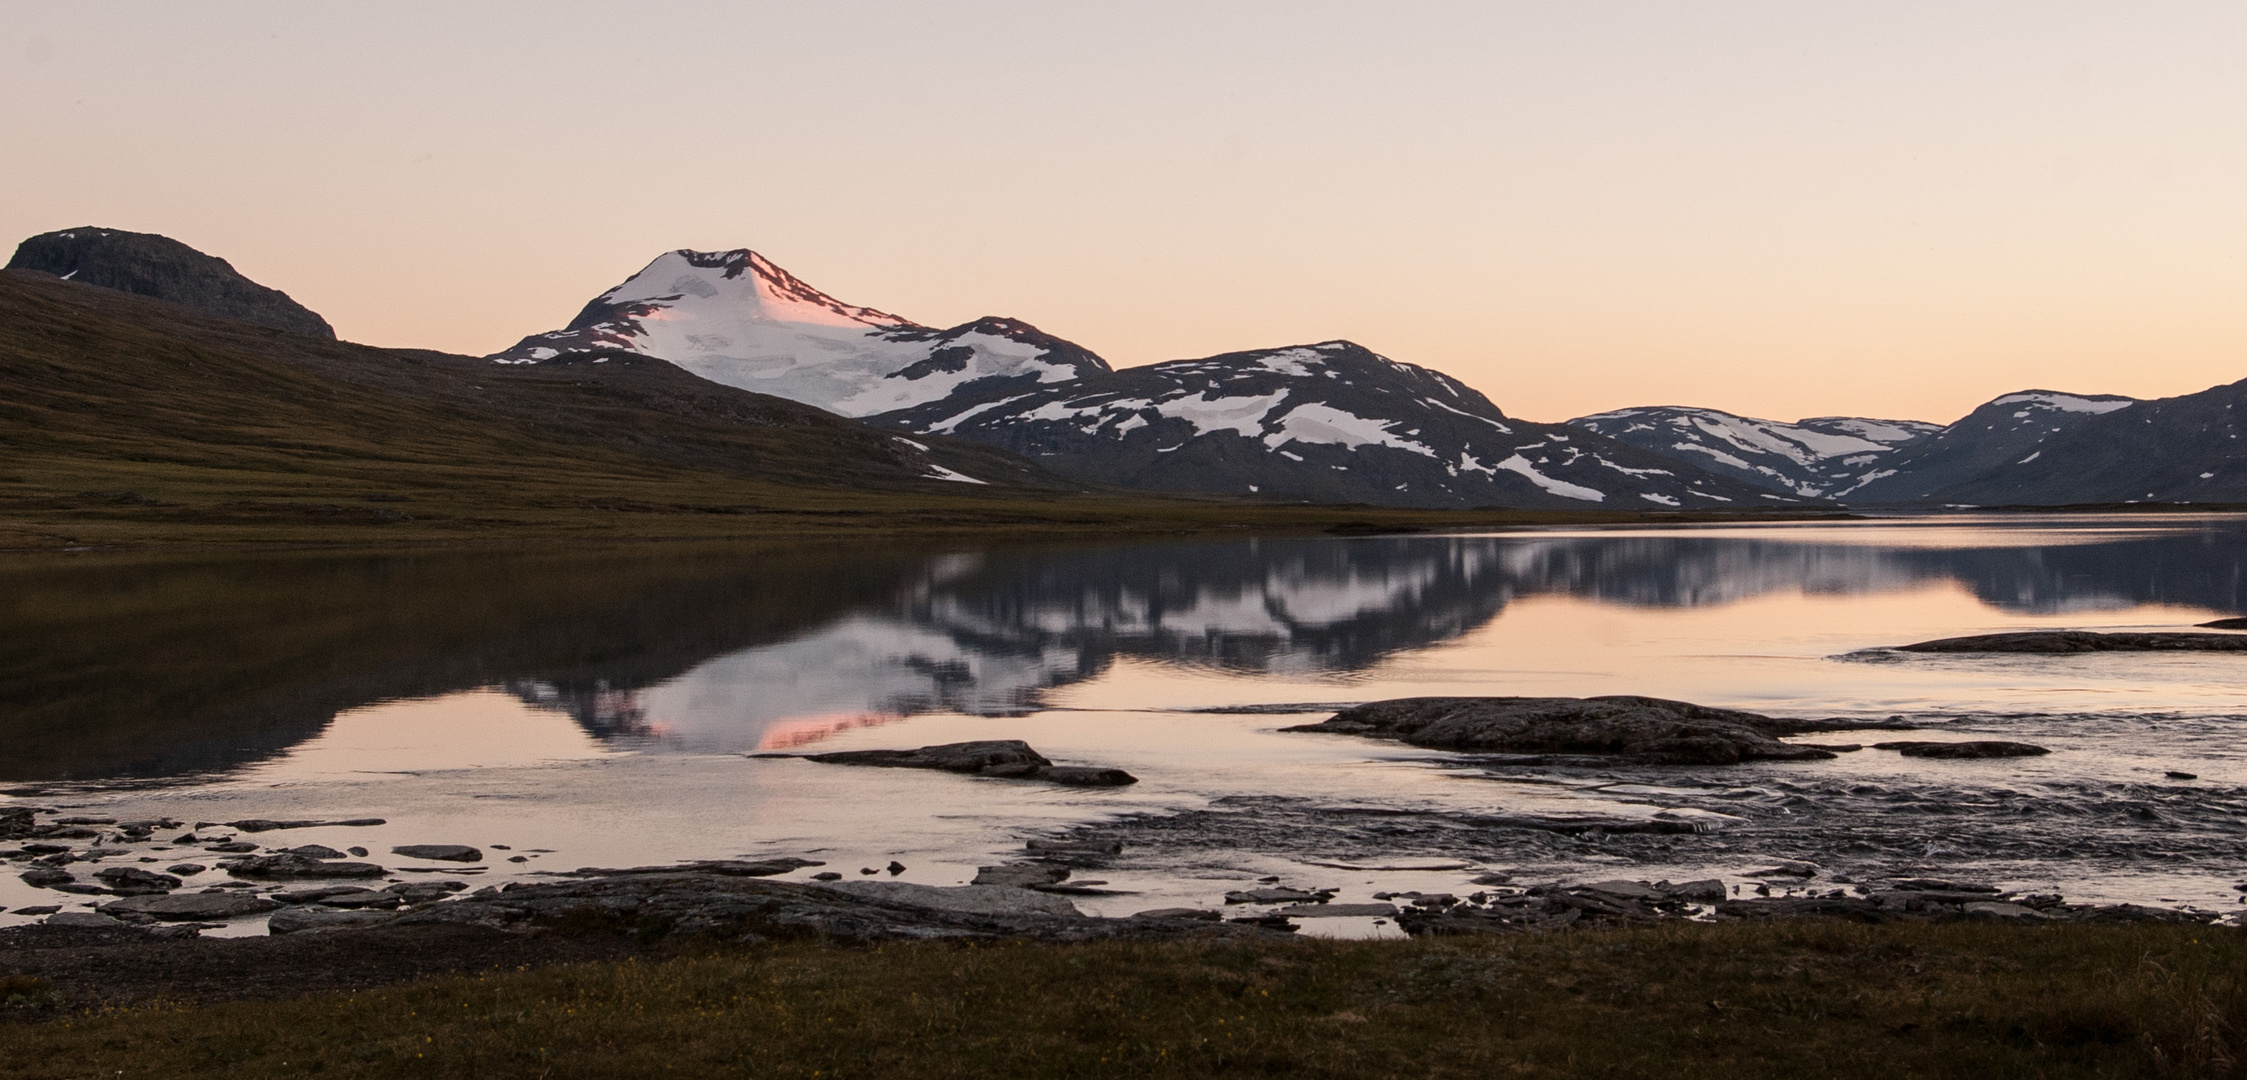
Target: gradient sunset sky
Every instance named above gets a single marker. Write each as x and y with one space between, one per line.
1782 209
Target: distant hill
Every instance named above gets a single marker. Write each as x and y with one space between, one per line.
2003 435
1822 457
162 268
2185 449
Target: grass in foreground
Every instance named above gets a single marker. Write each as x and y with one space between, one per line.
1681 1001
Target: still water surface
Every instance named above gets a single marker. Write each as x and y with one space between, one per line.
600 710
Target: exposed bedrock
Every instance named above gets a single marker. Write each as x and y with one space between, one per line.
1640 730
1010 759
2081 641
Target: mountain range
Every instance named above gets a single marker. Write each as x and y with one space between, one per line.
1328 422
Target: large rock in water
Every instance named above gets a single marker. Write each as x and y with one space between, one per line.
1622 728
1010 759
2081 641
145 264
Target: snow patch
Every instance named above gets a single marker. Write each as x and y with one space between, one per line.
1562 488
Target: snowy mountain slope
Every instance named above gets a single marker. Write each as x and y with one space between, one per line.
2191 448
1818 457
2008 432
1331 422
733 317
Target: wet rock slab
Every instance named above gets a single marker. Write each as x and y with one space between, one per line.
1637 730
439 852
298 866
1981 748
188 907
1010 759
2081 641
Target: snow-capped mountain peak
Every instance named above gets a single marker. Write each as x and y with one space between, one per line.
735 317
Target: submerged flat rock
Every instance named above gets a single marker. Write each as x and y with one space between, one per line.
1622 728
2081 641
1010 759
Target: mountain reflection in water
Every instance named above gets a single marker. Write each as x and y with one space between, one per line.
990 633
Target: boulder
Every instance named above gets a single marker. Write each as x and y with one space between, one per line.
1982 748
297 866
253 825
314 851
1640 730
1704 891
1338 911
82 920
46 877
296 920
1021 875
127 880
1626 890
1084 776
186 869
1277 896
440 852
318 893
16 822
186 907
967 899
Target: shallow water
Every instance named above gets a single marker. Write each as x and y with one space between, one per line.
597 710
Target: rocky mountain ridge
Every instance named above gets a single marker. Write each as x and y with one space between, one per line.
1331 422
162 268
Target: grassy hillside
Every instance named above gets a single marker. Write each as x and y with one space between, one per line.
1681 1001
129 421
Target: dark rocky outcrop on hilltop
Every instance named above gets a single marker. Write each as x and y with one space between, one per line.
1639 730
163 268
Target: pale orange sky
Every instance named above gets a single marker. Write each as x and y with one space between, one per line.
1781 209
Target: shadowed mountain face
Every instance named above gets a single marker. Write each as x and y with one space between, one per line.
164 269
1822 457
1332 422
139 667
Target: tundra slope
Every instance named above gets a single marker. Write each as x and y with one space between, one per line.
1331 422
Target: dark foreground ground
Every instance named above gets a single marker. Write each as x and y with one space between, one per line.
1810 997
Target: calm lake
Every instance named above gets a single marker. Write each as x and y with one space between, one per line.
598 708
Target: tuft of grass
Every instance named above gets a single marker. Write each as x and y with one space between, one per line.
1682 1001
